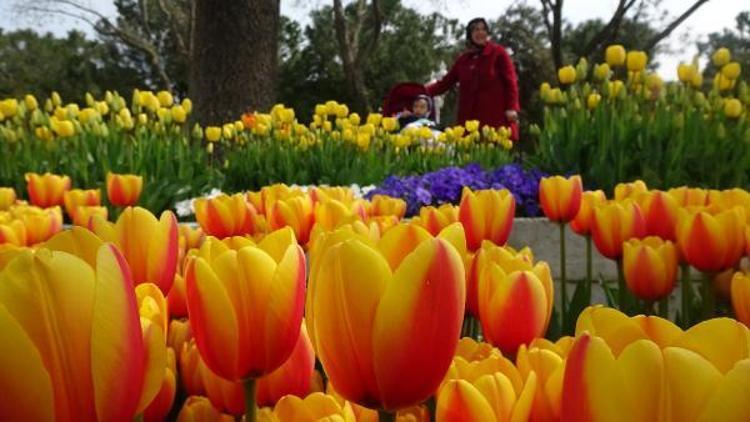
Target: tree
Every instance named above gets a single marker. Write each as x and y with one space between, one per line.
39 64
737 40
234 58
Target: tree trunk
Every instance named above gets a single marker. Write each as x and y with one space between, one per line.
234 58
351 56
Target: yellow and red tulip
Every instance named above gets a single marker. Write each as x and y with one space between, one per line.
246 306
76 350
7 198
613 224
435 219
191 374
650 267
123 190
177 298
315 407
383 205
41 224
13 233
630 190
149 245
660 212
741 297
582 222
560 197
295 212
486 215
83 215
711 240
506 257
549 367
200 409
46 190
75 198
160 406
514 307
490 398
399 348
225 216
689 197
178 334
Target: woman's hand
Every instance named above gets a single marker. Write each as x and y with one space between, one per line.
512 115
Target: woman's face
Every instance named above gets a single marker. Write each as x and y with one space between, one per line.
479 33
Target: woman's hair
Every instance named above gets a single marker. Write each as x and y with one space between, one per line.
470 26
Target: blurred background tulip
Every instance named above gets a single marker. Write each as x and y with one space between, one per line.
7 198
80 197
650 269
225 216
741 297
46 190
486 215
123 190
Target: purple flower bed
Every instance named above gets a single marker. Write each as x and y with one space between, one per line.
445 186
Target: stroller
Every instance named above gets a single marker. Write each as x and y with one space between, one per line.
401 98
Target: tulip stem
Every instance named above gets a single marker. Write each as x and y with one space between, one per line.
563 279
709 297
386 416
687 295
589 264
251 409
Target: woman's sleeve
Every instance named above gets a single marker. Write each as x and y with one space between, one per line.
445 83
507 73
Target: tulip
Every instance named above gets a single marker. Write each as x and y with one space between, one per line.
686 72
315 407
13 233
566 75
560 197
76 241
330 214
160 406
225 216
650 267
75 348
514 307
721 57
41 224
149 245
741 297
687 197
549 368
383 205
191 373
399 348
83 215
80 197
489 399
123 190
583 220
200 409
711 241
178 333
46 190
636 61
593 100
615 55
601 71
295 212
660 212
731 71
177 298
7 198
732 108
246 308
613 224
486 215
506 257
630 190
436 219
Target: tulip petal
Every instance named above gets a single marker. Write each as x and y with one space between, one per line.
690 381
400 241
459 401
729 403
499 393
407 329
25 383
525 401
722 341
163 246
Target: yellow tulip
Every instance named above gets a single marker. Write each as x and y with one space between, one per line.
601 71
9 107
31 103
213 133
566 75
615 55
731 70
593 100
721 57
686 72
732 108
165 98
636 60
179 114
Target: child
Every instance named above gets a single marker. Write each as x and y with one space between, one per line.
419 114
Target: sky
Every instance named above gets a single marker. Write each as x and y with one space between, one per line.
711 17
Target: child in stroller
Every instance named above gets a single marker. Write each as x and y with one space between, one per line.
419 115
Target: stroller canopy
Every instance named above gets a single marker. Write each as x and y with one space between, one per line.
402 97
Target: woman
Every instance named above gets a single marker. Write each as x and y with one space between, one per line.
487 86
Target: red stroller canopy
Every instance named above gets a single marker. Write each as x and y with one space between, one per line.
402 97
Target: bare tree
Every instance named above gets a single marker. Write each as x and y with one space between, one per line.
355 55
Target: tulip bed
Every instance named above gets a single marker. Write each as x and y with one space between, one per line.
295 305
620 122
152 137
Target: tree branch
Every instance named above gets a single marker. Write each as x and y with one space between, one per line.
607 34
173 26
672 26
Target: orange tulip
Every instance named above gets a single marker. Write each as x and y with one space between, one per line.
385 205
711 240
514 307
331 213
123 190
13 233
160 406
630 190
436 219
560 197
177 298
582 222
291 378
41 224
490 398
148 244
46 190
225 216
689 197
505 256
190 369
549 368
83 215
246 306
7 198
193 236
650 267
80 197
399 348
660 212
613 224
741 297
486 215
74 346
295 212
200 409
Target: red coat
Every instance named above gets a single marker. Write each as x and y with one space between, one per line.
487 86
